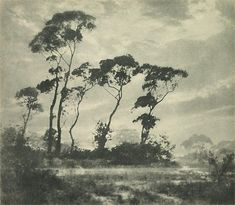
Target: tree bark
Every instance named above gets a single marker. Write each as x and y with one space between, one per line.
51 117
60 109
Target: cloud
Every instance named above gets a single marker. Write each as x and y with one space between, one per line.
203 45
227 9
171 11
218 102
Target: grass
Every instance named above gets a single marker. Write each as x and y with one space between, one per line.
148 186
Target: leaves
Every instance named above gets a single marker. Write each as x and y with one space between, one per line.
82 19
102 134
164 73
55 71
144 101
46 85
47 40
81 70
37 107
27 92
117 71
51 58
148 121
126 61
62 28
28 97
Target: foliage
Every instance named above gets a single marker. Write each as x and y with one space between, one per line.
152 152
21 181
115 74
220 167
209 192
147 121
54 138
158 83
60 34
102 134
117 71
28 97
60 30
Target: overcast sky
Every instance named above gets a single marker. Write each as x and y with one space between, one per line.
195 35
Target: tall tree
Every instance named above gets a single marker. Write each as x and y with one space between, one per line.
158 83
47 86
85 77
59 38
114 75
28 98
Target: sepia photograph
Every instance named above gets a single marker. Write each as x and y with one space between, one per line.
117 102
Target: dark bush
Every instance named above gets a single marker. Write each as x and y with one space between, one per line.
133 154
127 154
22 182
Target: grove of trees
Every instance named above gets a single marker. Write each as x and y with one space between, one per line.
68 83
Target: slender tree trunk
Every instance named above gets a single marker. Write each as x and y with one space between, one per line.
26 122
51 118
102 145
72 126
142 135
58 142
62 98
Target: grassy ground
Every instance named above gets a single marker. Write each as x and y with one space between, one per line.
147 186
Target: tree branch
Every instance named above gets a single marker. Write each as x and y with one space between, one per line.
110 93
62 57
112 86
167 92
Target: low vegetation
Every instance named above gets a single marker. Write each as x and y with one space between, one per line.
27 179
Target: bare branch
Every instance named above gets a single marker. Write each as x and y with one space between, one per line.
112 86
69 47
111 93
62 57
167 92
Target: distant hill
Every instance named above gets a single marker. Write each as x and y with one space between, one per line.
196 140
228 145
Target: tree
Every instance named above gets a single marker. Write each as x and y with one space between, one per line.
219 168
114 74
159 82
28 97
59 39
86 78
47 86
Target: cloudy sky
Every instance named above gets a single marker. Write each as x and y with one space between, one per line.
195 35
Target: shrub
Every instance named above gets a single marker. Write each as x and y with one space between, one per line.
219 168
152 152
21 180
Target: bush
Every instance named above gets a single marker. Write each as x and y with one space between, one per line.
220 166
211 192
127 154
133 154
21 180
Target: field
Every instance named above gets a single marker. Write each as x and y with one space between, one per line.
142 185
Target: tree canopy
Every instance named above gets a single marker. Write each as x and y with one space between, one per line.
158 83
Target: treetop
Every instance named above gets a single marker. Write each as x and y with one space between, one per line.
27 92
62 28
